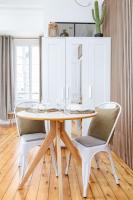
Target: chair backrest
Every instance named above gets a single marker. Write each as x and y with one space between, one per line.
103 124
25 126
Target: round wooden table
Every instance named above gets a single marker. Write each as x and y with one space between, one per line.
57 130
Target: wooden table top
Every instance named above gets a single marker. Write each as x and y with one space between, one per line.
55 116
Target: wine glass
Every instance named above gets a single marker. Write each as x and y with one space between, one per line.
45 105
67 99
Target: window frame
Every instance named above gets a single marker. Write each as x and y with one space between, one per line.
26 42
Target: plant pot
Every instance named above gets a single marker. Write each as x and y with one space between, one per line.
99 35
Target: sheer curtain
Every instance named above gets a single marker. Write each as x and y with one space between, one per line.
7 91
119 25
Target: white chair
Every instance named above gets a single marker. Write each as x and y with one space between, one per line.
100 133
31 133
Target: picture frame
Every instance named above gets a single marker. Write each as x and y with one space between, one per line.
69 27
85 29
77 29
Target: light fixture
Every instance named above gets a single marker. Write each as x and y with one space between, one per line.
84 3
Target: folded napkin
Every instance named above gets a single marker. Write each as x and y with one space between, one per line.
36 110
79 109
88 111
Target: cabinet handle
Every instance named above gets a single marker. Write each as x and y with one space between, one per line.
80 51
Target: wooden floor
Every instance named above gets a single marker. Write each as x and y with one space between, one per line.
43 184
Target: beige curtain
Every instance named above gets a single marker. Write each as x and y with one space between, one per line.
119 25
6 76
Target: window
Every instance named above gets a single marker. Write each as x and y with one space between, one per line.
27 69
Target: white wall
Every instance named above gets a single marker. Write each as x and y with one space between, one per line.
31 17
22 22
67 10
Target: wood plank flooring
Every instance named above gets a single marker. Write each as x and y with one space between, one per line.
42 185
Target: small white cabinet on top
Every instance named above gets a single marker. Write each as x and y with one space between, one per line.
81 66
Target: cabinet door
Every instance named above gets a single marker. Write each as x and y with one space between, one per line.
53 70
101 55
75 66
96 71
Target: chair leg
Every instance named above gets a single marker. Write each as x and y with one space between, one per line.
113 168
97 162
25 162
54 159
20 162
25 148
68 163
86 167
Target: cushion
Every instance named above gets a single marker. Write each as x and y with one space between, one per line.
26 126
30 126
33 137
102 124
89 141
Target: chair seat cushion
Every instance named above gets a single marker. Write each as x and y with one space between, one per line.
33 137
89 141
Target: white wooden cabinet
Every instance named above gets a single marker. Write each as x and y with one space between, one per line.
80 64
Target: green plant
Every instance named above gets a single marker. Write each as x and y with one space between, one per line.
96 16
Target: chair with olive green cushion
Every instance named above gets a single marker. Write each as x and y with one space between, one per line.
100 132
31 133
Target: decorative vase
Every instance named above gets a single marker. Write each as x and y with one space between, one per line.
53 29
64 33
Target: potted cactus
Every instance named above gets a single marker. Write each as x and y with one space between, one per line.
98 19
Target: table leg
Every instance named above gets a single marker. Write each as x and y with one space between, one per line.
67 141
45 145
60 179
